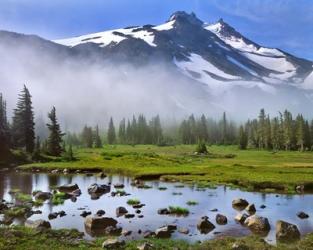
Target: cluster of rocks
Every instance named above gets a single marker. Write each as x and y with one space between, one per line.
54 215
97 190
285 231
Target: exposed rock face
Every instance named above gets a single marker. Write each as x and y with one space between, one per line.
68 188
113 230
258 224
251 209
121 211
113 244
205 226
241 218
286 232
96 222
303 215
43 196
38 224
221 219
129 216
240 203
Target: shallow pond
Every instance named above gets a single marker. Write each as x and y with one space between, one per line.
278 207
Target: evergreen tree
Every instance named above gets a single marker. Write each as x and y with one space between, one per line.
224 129
87 137
4 131
23 122
55 136
262 129
37 150
98 142
122 131
111 132
243 139
156 130
203 129
276 134
300 130
129 135
287 128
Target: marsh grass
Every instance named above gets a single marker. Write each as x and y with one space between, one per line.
58 198
192 203
133 202
256 170
178 210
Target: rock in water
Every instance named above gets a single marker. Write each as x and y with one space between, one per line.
205 226
241 218
68 188
286 232
221 219
258 224
121 211
251 209
43 196
96 222
240 203
163 232
302 215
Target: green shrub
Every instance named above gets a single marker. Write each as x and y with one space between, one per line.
178 210
133 202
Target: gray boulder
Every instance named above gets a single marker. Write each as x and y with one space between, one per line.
99 189
96 222
258 224
163 232
241 218
286 232
251 209
240 203
121 211
43 196
204 225
221 219
68 188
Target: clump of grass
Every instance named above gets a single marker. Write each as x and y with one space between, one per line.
23 197
162 188
192 203
178 210
133 202
38 203
120 192
16 212
59 198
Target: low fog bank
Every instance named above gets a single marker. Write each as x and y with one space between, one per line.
86 92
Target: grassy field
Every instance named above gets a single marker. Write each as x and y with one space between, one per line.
20 238
250 169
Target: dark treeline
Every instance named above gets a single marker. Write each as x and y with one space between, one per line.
283 132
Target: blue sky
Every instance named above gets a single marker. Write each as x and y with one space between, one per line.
286 24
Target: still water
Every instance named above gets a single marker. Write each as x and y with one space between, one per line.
278 207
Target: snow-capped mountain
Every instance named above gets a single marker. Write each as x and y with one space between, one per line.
213 54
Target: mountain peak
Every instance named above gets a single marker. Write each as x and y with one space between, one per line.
184 17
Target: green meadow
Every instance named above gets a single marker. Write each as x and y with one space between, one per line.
260 170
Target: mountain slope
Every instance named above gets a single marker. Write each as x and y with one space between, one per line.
216 55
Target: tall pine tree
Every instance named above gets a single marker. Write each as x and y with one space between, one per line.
111 132
55 136
23 122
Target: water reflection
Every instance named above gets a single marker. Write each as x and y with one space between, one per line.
278 207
